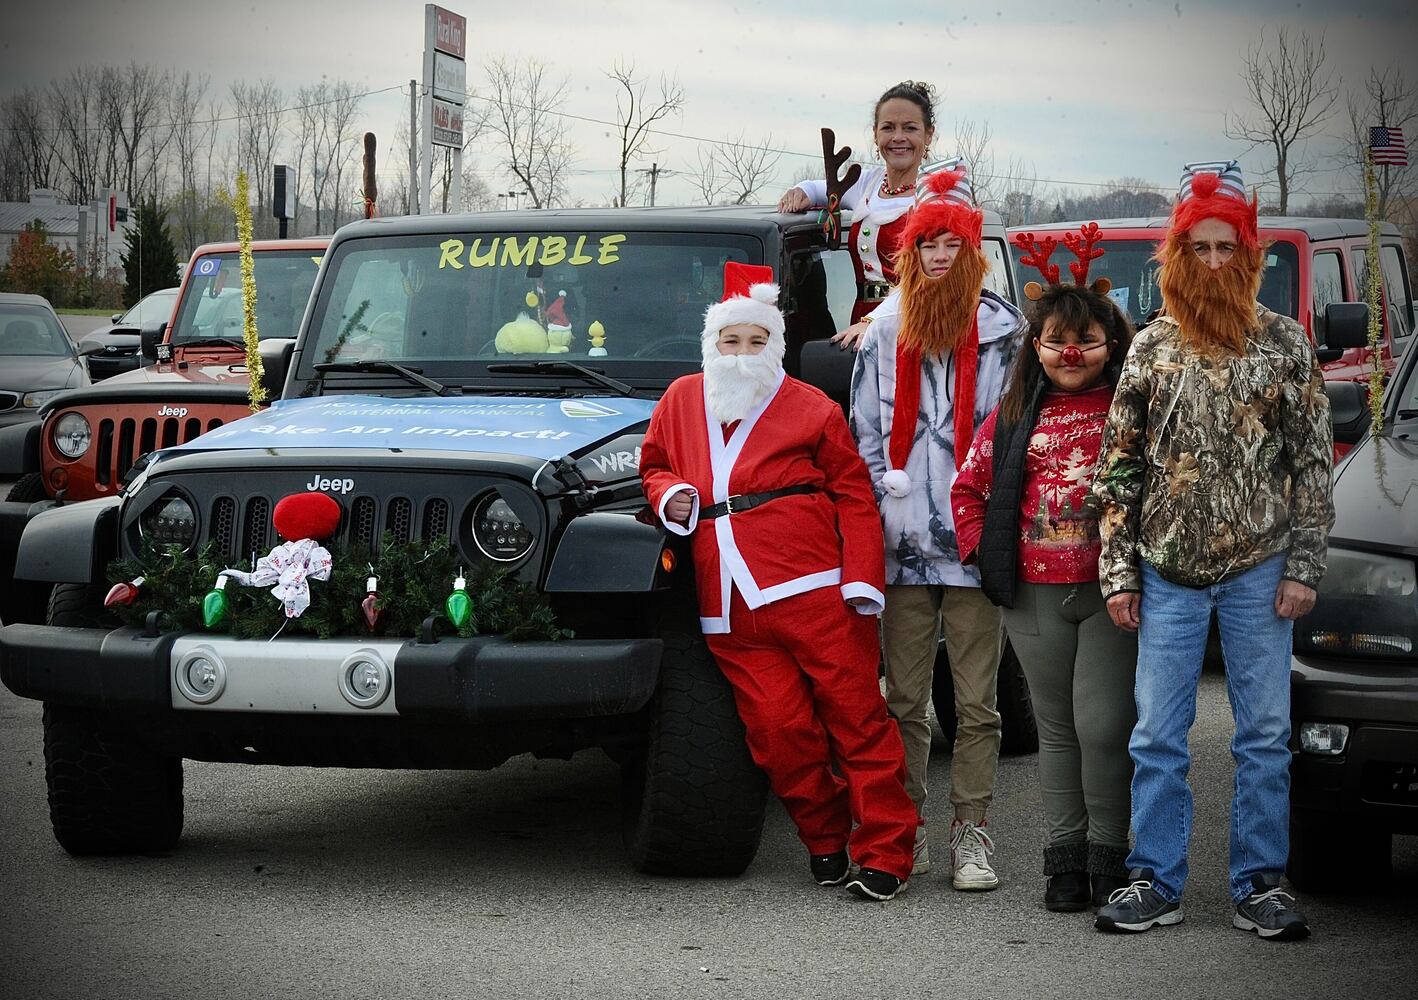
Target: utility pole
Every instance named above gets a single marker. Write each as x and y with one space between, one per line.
654 173
413 147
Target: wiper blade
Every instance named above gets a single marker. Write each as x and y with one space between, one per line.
414 375
562 368
1406 414
210 342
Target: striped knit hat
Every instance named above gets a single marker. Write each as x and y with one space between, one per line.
945 202
1215 190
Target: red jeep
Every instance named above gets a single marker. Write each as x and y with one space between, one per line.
1311 265
88 439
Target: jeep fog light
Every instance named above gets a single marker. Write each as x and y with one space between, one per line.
71 435
201 676
1328 738
365 679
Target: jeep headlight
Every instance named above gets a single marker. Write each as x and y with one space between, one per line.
497 530
1368 605
71 435
170 521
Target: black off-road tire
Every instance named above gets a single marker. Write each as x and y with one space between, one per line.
1315 867
108 793
1019 732
692 799
29 488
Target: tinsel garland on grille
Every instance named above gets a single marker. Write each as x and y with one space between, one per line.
415 579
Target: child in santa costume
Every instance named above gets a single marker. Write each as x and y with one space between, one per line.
932 365
760 471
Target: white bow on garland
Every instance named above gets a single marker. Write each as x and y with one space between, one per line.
290 566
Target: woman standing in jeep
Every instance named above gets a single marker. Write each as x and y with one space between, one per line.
903 125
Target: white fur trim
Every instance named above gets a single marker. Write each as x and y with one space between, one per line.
759 308
896 482
673 526
859 589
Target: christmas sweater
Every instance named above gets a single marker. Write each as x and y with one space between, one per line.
1058 521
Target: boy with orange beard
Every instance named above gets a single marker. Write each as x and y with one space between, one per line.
931 367
1214 479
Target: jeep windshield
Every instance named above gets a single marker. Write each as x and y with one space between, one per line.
1130 266
211 304
466 304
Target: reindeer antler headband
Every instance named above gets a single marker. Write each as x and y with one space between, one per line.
1081 244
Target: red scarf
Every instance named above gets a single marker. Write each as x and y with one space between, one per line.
908 398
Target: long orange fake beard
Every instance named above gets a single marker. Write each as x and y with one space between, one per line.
937 313
1216 309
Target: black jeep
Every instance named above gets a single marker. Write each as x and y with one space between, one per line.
483 381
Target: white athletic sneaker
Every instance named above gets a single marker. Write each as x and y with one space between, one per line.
970 850
920 853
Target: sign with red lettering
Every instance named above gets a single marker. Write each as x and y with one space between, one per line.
450 32
447 124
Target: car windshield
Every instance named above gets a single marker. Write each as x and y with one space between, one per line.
154 308
211 305
1408 392
1129 265
31 332
608 296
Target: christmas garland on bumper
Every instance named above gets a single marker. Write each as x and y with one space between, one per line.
388 595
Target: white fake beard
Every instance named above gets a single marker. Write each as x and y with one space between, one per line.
735 383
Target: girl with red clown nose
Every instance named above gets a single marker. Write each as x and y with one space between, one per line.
760 471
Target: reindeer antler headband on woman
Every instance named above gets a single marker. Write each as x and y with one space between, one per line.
1082 244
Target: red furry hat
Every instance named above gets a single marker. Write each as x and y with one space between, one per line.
1215 191
945 202
306 515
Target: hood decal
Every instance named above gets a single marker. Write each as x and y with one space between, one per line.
536 427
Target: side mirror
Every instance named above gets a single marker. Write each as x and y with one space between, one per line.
87 347
1346 325
1348 410
825 365
275 362
150 338
115 318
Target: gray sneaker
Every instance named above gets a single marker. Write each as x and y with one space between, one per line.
920 853
1270 911
1137 907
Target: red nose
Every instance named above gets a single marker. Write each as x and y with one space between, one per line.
1071 356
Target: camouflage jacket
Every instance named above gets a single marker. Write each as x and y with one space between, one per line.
1207 469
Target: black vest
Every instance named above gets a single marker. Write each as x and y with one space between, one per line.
998 553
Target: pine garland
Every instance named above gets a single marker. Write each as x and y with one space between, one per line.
414 580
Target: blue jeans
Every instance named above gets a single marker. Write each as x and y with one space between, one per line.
1171 645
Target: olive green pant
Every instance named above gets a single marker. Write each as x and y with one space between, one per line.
914 617
1080 668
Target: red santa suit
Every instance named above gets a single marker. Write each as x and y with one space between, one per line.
773 584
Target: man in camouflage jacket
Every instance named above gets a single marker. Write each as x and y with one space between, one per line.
1215 486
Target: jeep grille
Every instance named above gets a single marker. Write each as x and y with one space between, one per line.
239 529
123 441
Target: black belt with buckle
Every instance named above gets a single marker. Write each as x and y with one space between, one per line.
739 503
873 291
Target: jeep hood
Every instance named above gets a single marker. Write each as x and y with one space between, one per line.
1376 495
535 427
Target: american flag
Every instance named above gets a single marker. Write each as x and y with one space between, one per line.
1386 144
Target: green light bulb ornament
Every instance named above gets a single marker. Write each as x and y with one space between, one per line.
216 604
459 605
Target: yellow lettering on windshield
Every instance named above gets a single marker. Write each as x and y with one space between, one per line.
451 249
610 249
577 257
317 260
553 250
517 255
476 259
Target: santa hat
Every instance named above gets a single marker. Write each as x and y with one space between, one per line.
751 297
1215 190
945 201
556 312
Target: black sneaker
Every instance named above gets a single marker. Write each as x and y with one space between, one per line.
1270 911
830 869
1067 892
869 883
1137 907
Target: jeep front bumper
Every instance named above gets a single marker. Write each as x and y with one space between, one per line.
481 680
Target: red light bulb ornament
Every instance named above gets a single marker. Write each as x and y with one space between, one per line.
459 605
1071 356
369 607
216 604
123 594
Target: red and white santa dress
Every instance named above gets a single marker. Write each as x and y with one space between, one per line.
878 220
784 531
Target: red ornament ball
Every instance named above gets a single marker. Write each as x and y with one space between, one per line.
307 515
1071 356
1204 185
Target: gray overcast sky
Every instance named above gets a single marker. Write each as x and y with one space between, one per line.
1086 89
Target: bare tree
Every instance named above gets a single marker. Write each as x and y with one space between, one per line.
524 111
1292 94
259 113
972 141
747 166
75 104
1018 200
189 134
709 176
1388 99
635 115
135 109
30 143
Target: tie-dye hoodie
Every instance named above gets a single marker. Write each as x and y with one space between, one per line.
919 528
